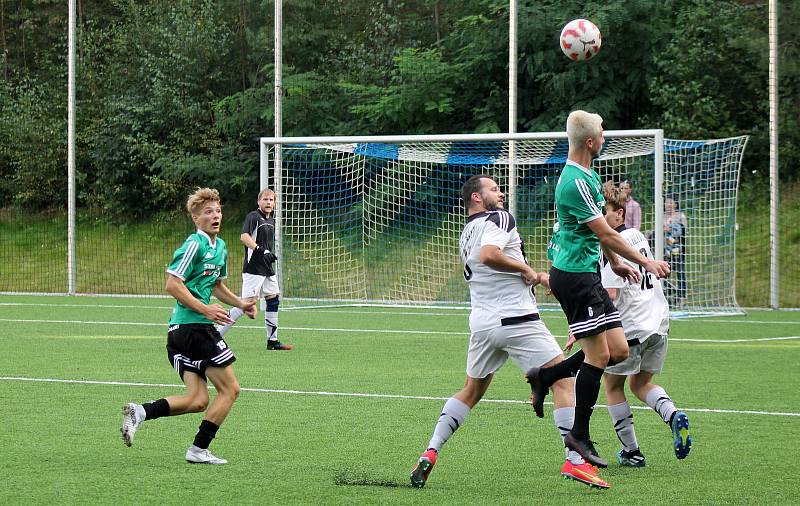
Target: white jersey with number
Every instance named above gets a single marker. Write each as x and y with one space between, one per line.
494 295
642 306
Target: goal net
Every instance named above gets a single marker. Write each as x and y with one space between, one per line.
377 219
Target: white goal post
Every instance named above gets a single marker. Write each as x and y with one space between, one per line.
376 219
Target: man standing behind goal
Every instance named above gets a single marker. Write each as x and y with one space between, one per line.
258 271
575 280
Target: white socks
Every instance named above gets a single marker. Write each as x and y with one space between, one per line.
271 325
563 419
453 415
658 399
623 423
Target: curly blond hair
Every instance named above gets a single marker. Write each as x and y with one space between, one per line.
200 198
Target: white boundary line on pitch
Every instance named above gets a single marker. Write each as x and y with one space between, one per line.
380 331
455 312
365 395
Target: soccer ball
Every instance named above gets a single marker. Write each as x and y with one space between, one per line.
580 39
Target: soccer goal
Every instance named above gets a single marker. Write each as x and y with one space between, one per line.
376 220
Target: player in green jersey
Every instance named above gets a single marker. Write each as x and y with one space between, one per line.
580 234
194 347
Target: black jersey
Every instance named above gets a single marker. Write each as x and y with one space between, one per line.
262 229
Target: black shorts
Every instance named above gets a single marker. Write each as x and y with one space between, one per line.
586 303
195 346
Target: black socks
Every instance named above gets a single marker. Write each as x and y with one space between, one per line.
205 434
155 409
587 387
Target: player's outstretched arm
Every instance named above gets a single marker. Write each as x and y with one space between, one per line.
611 240
213 312
223 293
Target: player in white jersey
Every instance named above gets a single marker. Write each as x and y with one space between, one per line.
644 313
504 322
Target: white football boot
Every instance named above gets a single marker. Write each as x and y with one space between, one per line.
132 418
195 455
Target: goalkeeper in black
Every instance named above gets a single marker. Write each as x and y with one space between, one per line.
258 272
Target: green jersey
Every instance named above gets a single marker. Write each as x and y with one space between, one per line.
199 264
579 200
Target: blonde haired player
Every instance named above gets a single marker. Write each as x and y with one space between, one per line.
579 235
194 347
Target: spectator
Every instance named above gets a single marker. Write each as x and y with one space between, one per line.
675 225
633 211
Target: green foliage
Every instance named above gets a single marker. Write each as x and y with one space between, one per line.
716 51
418 98
33 149
175 94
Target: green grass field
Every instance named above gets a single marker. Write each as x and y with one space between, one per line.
343 417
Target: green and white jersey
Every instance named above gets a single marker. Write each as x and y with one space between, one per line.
199 263
579 200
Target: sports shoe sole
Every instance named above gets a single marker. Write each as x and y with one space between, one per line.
127 411
680 431
538 391
592 484
207 463
420 473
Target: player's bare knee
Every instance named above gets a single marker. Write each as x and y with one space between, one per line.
198 404
599 358
619 355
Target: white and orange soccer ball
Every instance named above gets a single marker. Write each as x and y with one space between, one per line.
580 40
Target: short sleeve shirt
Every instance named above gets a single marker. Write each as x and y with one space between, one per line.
494 295
199 263
262 229
579 200
643 309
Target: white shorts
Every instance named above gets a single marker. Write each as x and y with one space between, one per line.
529 344
648 356
257 286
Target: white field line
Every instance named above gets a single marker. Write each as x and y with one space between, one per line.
376 331
455 312
364 395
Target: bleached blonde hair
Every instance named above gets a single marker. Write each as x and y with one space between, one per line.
582 125
265 191
198 200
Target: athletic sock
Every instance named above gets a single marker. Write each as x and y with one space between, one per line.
206 432
564 369
563 419
587 387
658 399
155 409
234 314
453 415
271 319
622 418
